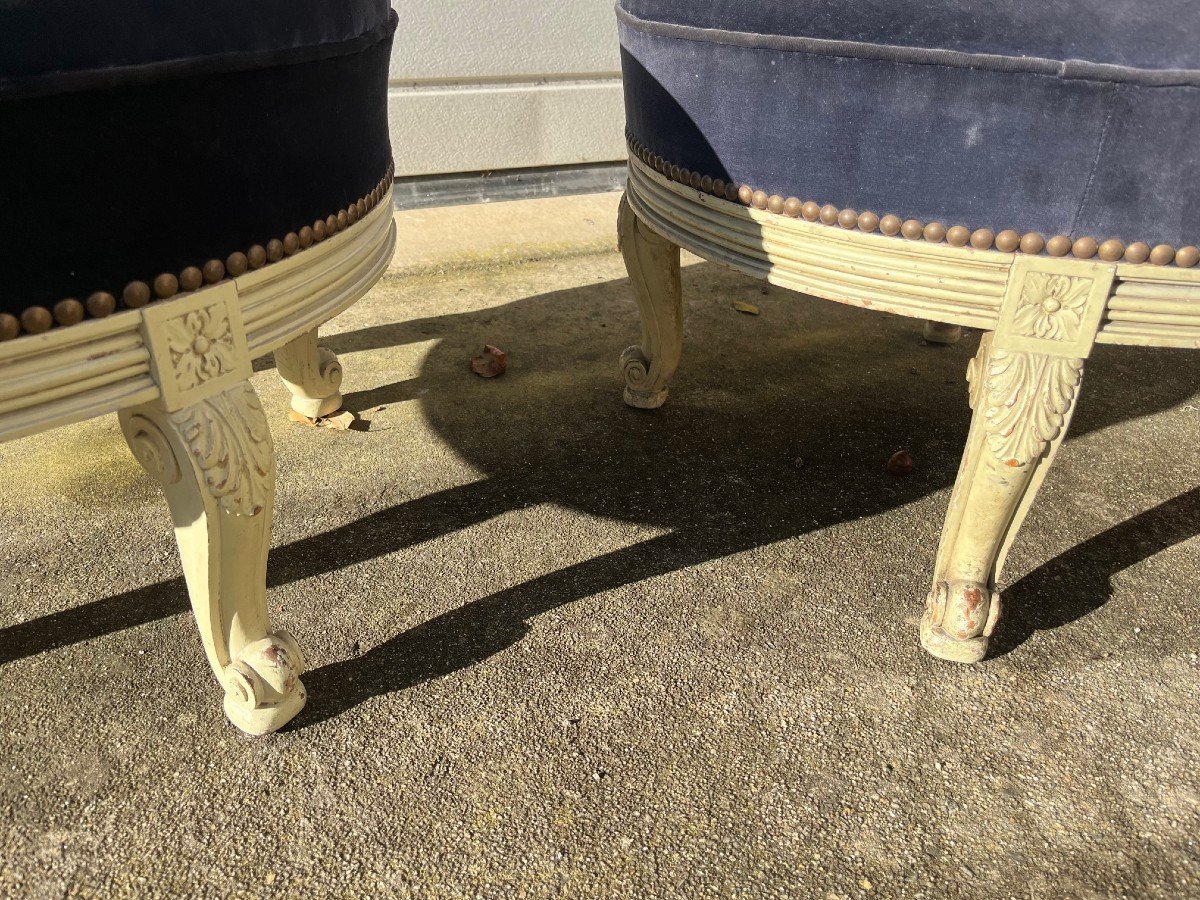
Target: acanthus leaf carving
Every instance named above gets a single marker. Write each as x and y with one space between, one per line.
228 437
1027 397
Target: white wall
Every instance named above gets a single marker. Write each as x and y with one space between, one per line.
485 84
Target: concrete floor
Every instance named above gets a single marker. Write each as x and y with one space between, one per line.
561 648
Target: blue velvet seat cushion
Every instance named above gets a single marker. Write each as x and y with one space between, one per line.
1076 117
144 136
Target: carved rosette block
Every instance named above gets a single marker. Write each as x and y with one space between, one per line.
312 374
1024 383
653 265
197 344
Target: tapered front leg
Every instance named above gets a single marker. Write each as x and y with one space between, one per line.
1022 406
312 374
653 265
216 464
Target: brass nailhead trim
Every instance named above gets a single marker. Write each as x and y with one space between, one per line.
1007 241
136 294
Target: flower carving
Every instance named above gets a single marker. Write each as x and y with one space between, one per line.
1052 306
201 346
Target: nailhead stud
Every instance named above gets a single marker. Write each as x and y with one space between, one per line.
706 184
1032 242
291 243
792 207
306 237
1186 257
912 229
68 312
811 210
274 250
848 218
352 213
934 232
1137 252
673 173
237 264
1008 240
829 214
696 181
1059 245
136 294
37 319
343 220
732 193
101 304
745 195
257 255
890 224
320 230
361 206
10 327
982 238
718 188
1162 254
1084 247
868 221
958 235
190 279
213 271
1111 250
759 199
166 285
775 203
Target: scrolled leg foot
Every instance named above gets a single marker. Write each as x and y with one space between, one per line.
958 620
263 690
941 333
313 375
653 265
636 370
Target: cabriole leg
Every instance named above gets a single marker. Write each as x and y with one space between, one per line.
312 374
1024 381
653 265
1022 404
216 464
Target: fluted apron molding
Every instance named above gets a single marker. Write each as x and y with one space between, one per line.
1149 304
99 366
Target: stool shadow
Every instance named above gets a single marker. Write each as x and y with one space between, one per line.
1079 581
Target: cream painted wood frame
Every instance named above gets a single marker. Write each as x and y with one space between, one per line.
1042 315
177 373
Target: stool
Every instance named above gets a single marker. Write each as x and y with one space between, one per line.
1016 168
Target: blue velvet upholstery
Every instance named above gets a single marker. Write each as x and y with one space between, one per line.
1076 117
147 136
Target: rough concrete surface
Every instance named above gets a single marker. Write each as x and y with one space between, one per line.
562 648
